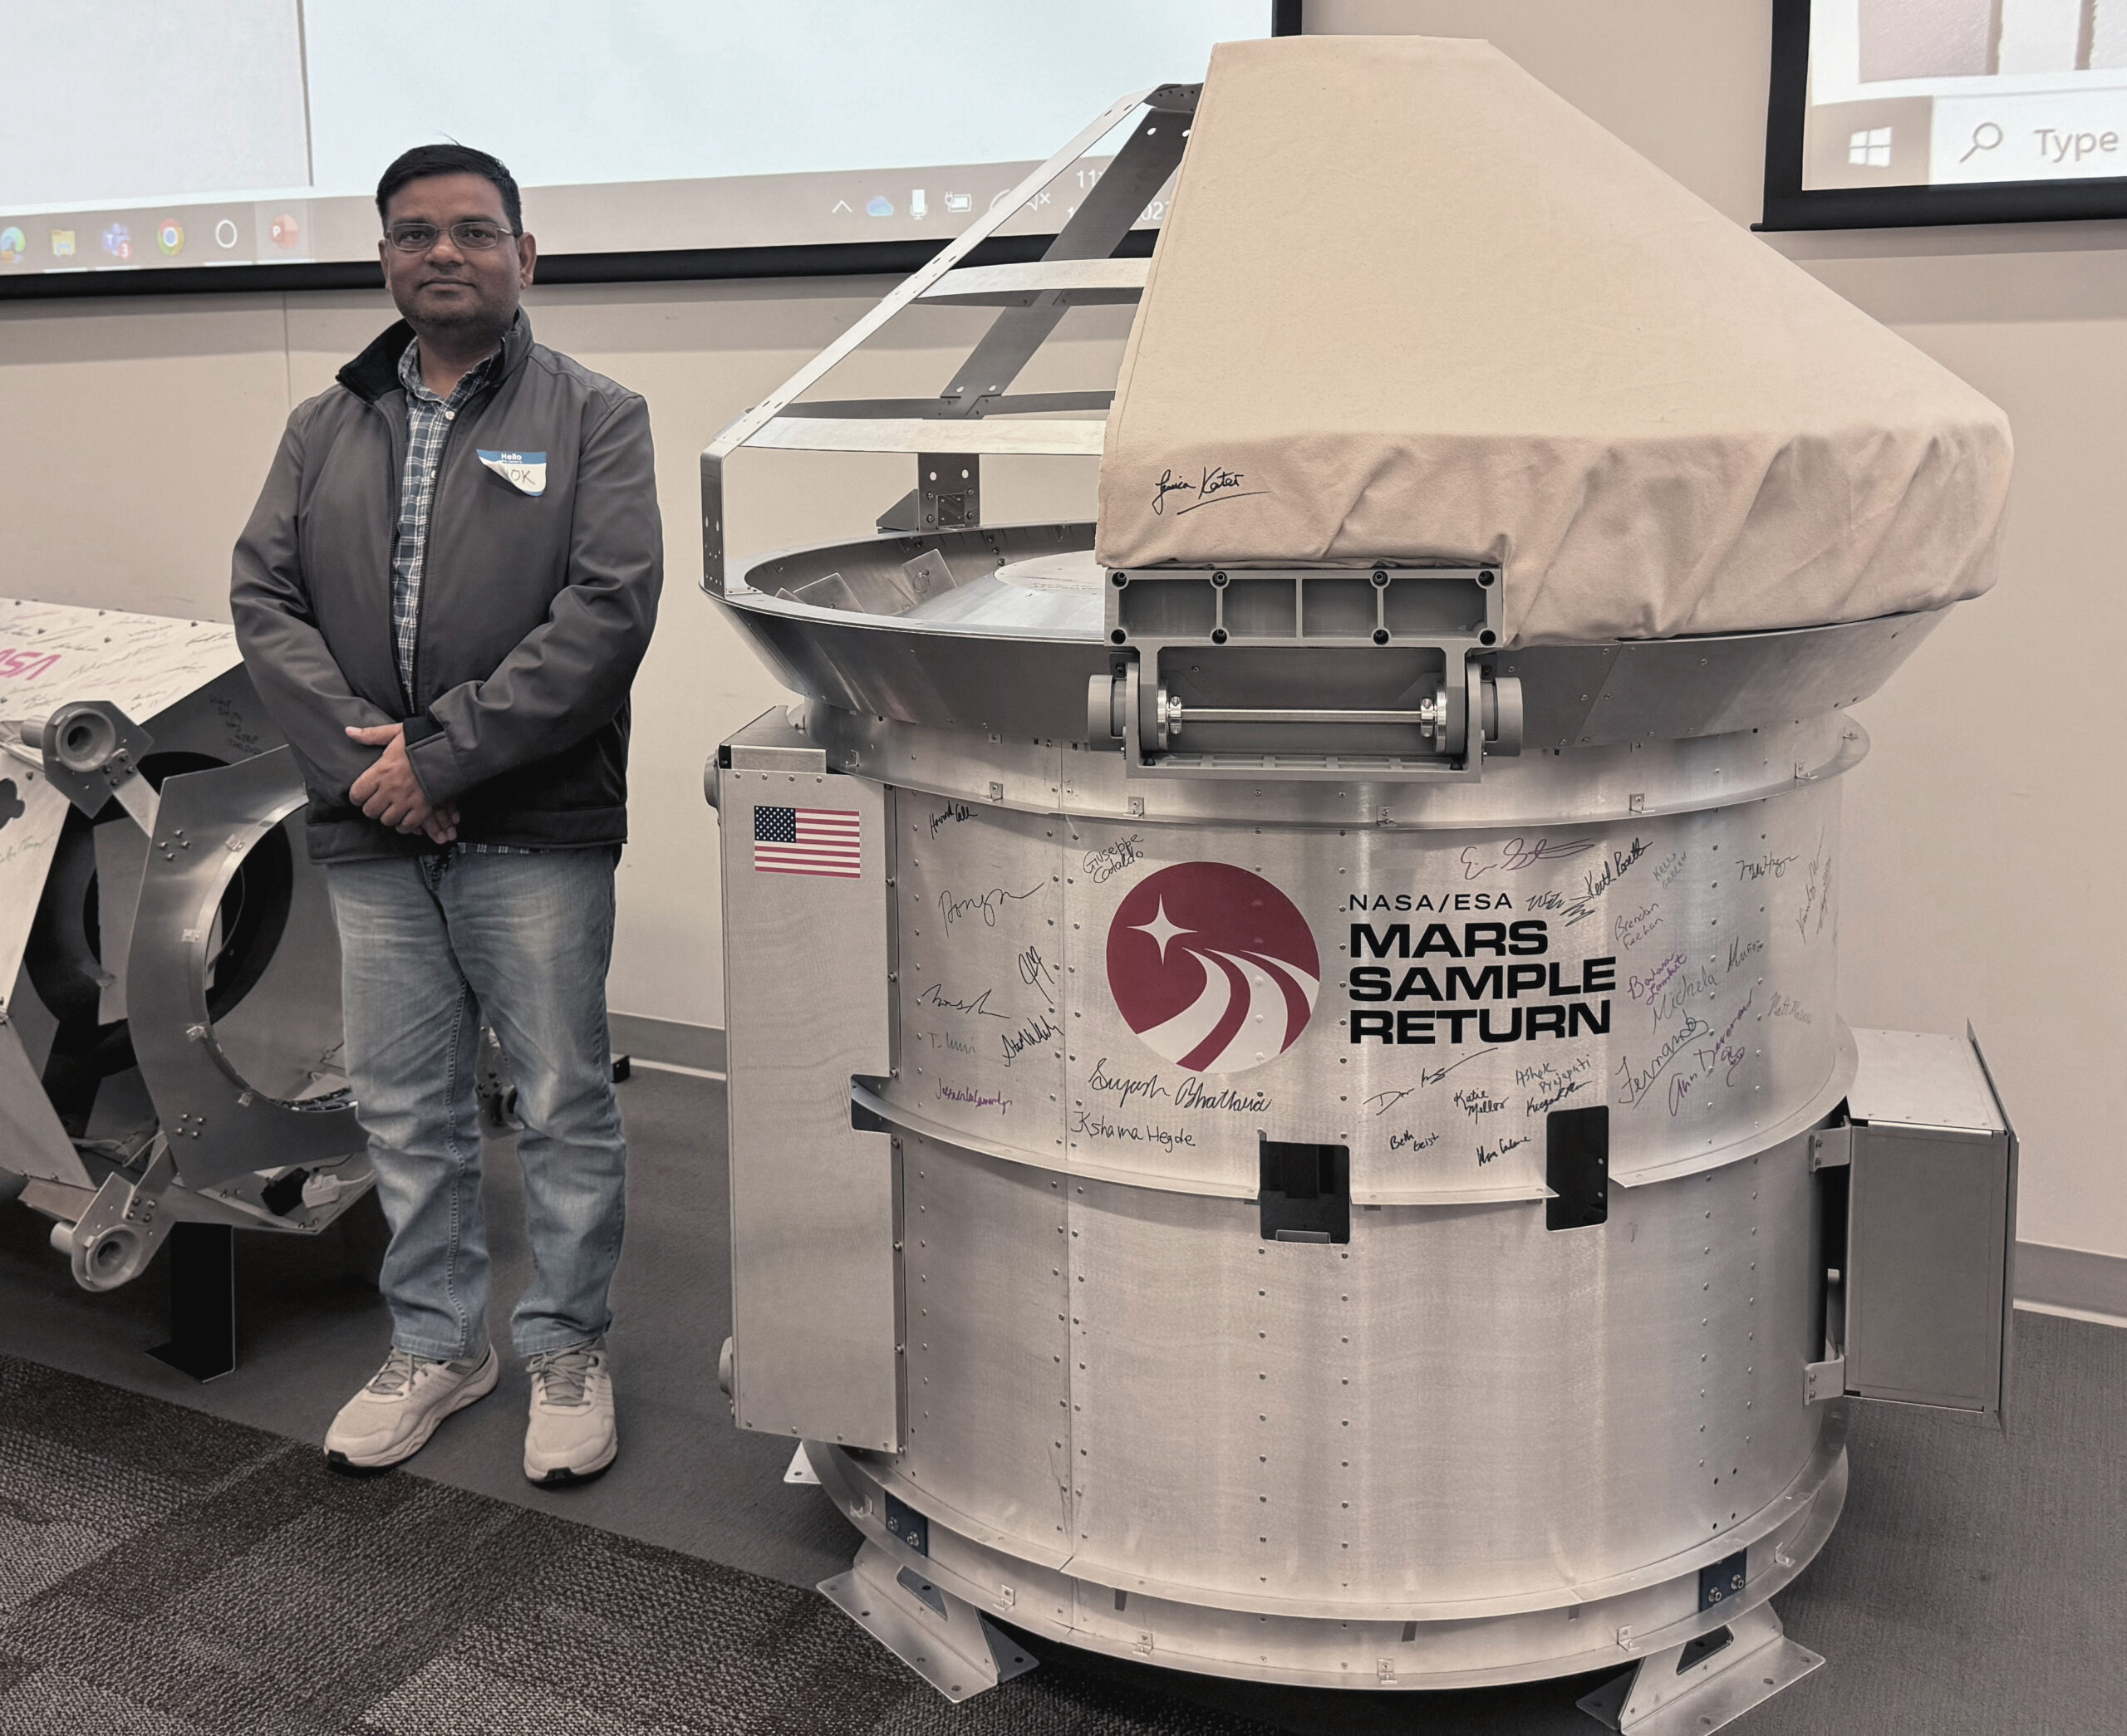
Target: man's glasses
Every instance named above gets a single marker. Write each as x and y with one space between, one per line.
475 235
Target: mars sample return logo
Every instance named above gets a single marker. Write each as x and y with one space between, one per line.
1213 967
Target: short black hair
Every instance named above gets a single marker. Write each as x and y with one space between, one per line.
425 160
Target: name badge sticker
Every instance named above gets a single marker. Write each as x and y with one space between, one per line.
526 472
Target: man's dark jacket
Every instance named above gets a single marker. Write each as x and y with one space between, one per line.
535 610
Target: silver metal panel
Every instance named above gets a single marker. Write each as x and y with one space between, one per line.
1082 438
1704 943
1681 688
35 812
121 859
223 1123
1458 1404
908 1120
1584 694
1001 601
53 652
1921 1079
1597 784
1365 1647
31 1021
813 1277
224 721
286 1039
32 1142
988 1395
1927 1266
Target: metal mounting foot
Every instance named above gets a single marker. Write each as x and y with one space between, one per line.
1697 1688
944 1638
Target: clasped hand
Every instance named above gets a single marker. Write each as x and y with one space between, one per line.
390 794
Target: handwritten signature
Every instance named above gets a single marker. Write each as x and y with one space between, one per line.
1038 974
1691 985
1631 930
1549 1099
1767 867
933 995
1740 950
1516 853
1214 483
1816 892
974 1097
988 904
1614 869
1720 1055
1381 1102
1124 1086
1553 1084
1646 987
1110 859
1478 1101
1092 1123
1639 1081
1032 1031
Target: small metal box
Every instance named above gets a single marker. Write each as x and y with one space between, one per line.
1932 1227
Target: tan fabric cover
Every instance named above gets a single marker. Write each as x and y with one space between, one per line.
1423 308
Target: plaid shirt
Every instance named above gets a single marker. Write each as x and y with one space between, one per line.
428 422
428 426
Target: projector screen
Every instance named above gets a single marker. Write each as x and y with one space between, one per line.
148 136
1904 111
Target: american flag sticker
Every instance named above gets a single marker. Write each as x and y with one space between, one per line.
808 841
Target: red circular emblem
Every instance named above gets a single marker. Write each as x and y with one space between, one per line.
1213 967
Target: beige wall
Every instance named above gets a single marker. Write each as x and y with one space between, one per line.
1982 830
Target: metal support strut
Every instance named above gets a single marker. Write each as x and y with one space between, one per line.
1706 1684
944 1638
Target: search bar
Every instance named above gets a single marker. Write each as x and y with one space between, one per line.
2035 135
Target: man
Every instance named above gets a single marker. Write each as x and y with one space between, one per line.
443 596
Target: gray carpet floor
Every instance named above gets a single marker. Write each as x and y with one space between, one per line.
174 1561
169 1573
310 1332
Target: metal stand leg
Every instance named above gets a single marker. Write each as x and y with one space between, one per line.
1695 1688
943 1639
202 1301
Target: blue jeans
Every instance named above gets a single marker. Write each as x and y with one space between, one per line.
428 943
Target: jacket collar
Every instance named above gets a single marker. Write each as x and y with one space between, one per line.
375 371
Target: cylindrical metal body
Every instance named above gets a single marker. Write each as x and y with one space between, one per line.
1444 1409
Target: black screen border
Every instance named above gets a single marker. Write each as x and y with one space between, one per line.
830 259
1788 207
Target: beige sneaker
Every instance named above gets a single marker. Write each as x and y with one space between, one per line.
392 1418
571 1438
